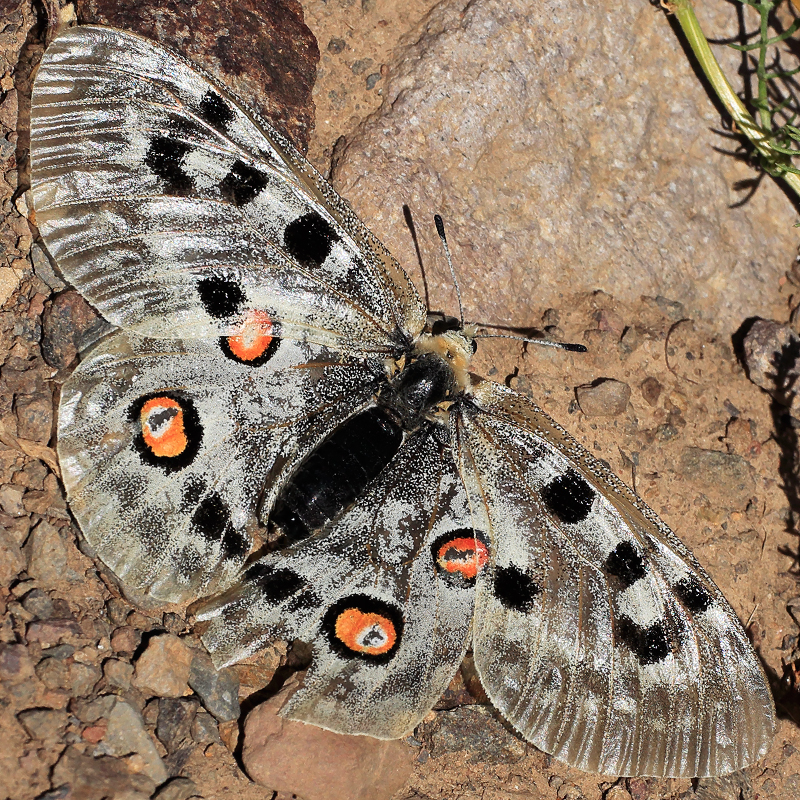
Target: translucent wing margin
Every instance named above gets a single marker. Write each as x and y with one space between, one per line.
171 452
388 626
176 212
597 634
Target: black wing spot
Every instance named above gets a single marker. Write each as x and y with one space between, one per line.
569 497
211 517
164 158
191 492
215 111
309 239
221 297
242 184
514 589
693 595
276 585
234 543
625 562
650 645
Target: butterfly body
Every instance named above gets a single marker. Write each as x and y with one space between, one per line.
274 372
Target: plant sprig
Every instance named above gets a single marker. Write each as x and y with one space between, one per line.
771 142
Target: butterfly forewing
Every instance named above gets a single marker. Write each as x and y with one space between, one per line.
156 191
372 592
169 450
596 633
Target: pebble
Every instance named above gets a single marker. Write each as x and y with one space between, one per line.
204 729
604 398
177 789
39 604
711 469
90 778
47 724
217 690
15 663
118 673
11 560
316 764
126 640
163 668
54 631
175 718
47 556
126 734
771 353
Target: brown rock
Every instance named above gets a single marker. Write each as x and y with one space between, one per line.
317 764
47 556
126 735
15 663
163 668
771 353
712 471
261 51
91 778
35 417
47 724
54 631
603 398
69 324
651 390
126 639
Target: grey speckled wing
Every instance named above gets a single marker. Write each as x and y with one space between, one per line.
170 451
597 634
175 212
372 593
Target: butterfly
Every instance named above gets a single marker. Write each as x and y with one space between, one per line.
276 424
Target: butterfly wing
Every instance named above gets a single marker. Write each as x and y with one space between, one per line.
180 215
170 451
596 633
380 594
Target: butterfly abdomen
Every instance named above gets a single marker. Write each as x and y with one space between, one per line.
336 472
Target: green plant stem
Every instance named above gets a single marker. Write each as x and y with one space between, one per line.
684 13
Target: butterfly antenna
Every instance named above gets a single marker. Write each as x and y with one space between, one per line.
570 346
440 230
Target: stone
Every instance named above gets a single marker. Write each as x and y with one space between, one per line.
11 500
48 557
11 560
35 417
175 718
126 640
204 729
54 631
246 44
603 398
15 663
218 690
39 604
651 390
316 764
100 778
126 734
90 711
710 469
69 325
9 283
47 724
562 189
771 353
177 789
163 668
118 673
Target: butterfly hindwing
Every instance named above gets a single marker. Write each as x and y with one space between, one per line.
383 594
178 214
596 633
171 451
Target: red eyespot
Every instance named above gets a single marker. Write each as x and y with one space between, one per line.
163 428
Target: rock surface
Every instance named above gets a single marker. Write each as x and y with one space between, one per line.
317 764
163 668
612 183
